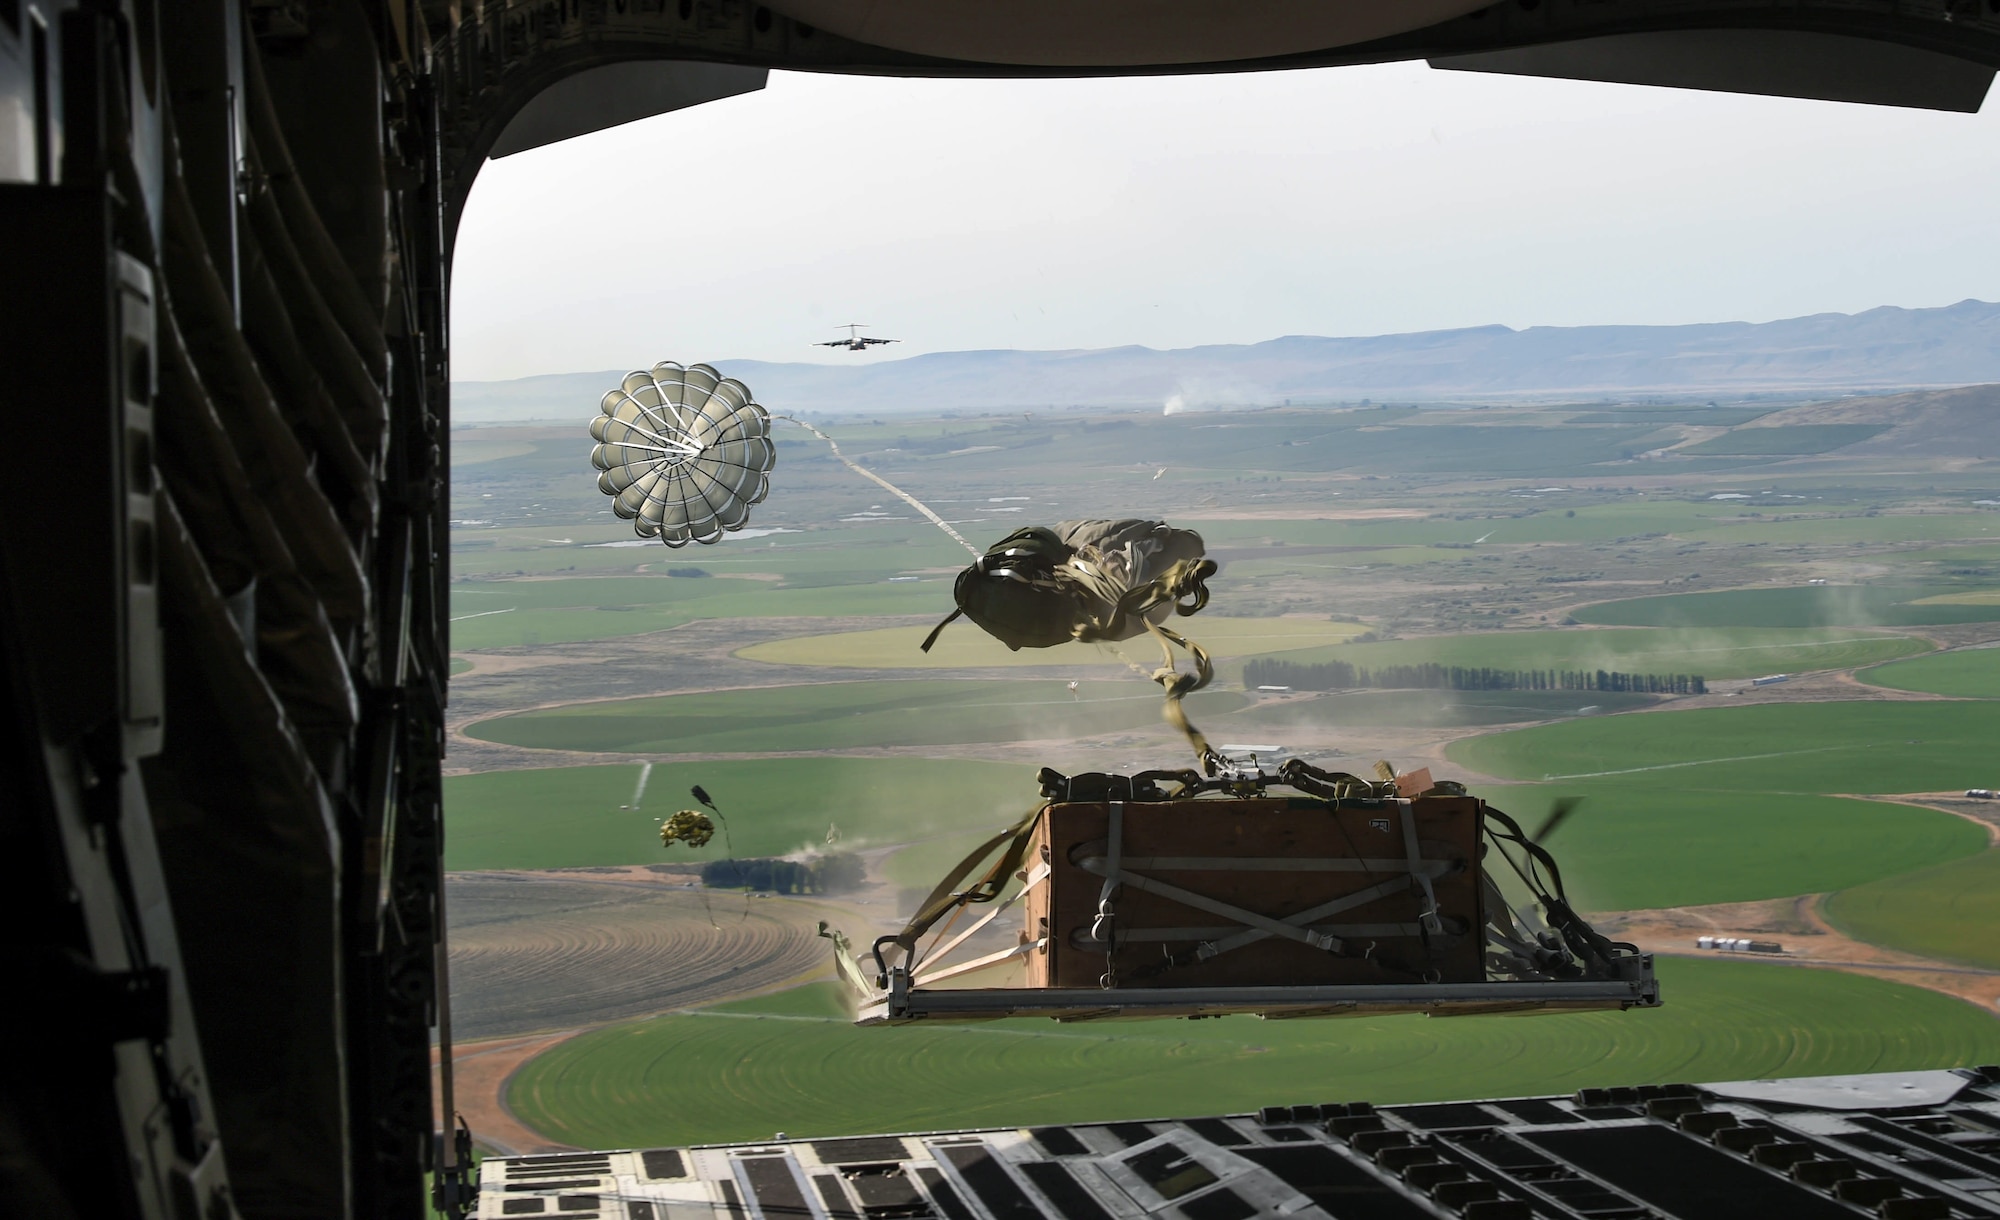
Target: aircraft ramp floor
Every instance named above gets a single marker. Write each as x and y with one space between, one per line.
1901 1146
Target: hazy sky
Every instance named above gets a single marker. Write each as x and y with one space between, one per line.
1177 211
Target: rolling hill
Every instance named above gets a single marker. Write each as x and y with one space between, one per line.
1880 349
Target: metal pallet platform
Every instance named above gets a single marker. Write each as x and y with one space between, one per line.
902 1004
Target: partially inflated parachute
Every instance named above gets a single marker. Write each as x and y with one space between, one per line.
1095 581
1082 580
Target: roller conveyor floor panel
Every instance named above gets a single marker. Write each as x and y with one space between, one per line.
1901 1146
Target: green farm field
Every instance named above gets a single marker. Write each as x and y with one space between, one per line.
1460 536
1954 557
1968 597
512 614
1601 522
792 1062
918 866
1342 565
964 646
587 550
1862 747
1325 713
1949 912
570 817
1714 652
847 715
1793 440
1631 845
1795 606
1967 673
832 553
1887 527
1637 845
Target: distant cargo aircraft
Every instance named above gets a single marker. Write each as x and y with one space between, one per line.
855 341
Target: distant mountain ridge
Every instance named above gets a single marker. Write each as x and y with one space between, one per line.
1881 349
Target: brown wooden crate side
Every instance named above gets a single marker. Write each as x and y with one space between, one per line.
1259 828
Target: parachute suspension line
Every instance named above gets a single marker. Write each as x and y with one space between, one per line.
891 488
1184 587
1178 686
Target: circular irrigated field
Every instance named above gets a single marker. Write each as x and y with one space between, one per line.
532 953
1861 746
734 1076
1950 912
1797 606
846 715
1712 652
1969 673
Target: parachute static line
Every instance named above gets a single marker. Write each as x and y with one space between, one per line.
885 484
695 828
701 794
692 827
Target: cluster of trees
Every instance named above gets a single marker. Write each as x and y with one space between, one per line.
830 874
1340 675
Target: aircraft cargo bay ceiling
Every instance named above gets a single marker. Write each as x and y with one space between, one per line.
519 76
224 276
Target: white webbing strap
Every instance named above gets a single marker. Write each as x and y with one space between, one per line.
1418 876
1104 928
923 971
985 963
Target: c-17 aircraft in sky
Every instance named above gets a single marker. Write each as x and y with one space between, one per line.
855 341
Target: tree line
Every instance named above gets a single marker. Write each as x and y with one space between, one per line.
836 873
1342 675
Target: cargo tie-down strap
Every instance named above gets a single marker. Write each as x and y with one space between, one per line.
947 899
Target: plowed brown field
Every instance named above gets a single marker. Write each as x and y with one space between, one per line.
557 950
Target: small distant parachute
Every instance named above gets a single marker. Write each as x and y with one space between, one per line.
685 452
689 826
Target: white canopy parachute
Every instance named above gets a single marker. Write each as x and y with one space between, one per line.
684 451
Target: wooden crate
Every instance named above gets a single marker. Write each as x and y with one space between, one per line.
1271 857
